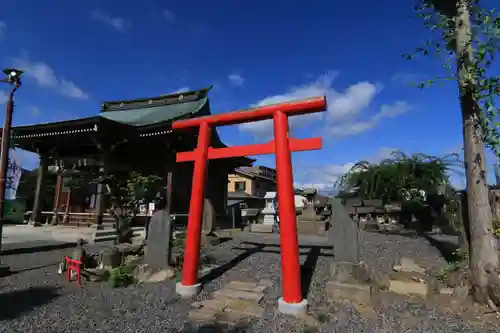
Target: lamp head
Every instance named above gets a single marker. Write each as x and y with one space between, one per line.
13 75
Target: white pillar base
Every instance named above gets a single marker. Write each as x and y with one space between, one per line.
292 309
187 291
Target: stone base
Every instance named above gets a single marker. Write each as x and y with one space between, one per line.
312 227
187 291
262 228
292 309
360 293
4 270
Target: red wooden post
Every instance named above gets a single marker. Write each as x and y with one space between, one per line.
290 266
192 246
282 146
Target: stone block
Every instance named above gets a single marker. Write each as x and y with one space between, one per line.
203 314
239 285
407 276
110 258
217 305
267 283
261 228
312 227
346 272
244 307
359 293
239 294
408 265
460 294
162 275
95 274
408 288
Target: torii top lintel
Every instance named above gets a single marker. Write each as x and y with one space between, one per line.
293 108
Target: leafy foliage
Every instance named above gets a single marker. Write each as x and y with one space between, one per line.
476 76
125 194
121 276
400 176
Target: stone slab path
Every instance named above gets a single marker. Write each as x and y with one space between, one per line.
232 304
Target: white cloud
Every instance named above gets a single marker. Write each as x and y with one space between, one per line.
3 97
46 77
236 79
117 23
357 127
344 108
3 29
324 177
180 90
169 15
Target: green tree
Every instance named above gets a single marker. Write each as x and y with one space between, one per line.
467 39
126 192
397 177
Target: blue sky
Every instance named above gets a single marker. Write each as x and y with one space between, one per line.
78 54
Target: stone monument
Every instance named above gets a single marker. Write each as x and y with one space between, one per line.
159 241
344 234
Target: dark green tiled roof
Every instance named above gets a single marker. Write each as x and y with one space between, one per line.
155 114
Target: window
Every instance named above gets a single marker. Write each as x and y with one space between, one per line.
240 186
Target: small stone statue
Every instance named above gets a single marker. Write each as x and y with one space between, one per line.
78 254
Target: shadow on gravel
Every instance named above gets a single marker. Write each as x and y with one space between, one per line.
309 265
307 269
447 249
38 248
16 303
220 270
215 328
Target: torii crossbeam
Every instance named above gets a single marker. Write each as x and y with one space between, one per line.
282 145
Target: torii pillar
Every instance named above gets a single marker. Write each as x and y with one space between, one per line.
292 302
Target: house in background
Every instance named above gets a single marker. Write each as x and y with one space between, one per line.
254 181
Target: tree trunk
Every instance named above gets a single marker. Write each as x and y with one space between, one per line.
483 247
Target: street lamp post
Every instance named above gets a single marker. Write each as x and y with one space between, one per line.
14 79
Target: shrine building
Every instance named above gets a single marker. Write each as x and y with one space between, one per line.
126 135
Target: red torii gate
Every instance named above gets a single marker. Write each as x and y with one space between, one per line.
292 301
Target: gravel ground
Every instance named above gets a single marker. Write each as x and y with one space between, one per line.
38 300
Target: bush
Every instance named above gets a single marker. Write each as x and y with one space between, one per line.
121 276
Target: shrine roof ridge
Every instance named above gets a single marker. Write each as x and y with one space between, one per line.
174 98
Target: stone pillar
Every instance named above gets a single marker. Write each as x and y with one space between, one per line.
100 200
57 197
36 215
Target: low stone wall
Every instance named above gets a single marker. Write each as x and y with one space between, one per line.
106 235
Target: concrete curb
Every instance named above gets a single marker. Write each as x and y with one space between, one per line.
37 248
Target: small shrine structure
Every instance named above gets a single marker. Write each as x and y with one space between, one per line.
125 135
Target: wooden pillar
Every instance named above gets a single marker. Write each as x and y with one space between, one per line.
68 203
100 200
36 215
57 197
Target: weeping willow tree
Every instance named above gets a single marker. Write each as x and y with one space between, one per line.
400 175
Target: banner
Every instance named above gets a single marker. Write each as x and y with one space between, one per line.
14 171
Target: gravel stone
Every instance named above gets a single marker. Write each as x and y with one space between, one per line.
36 299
